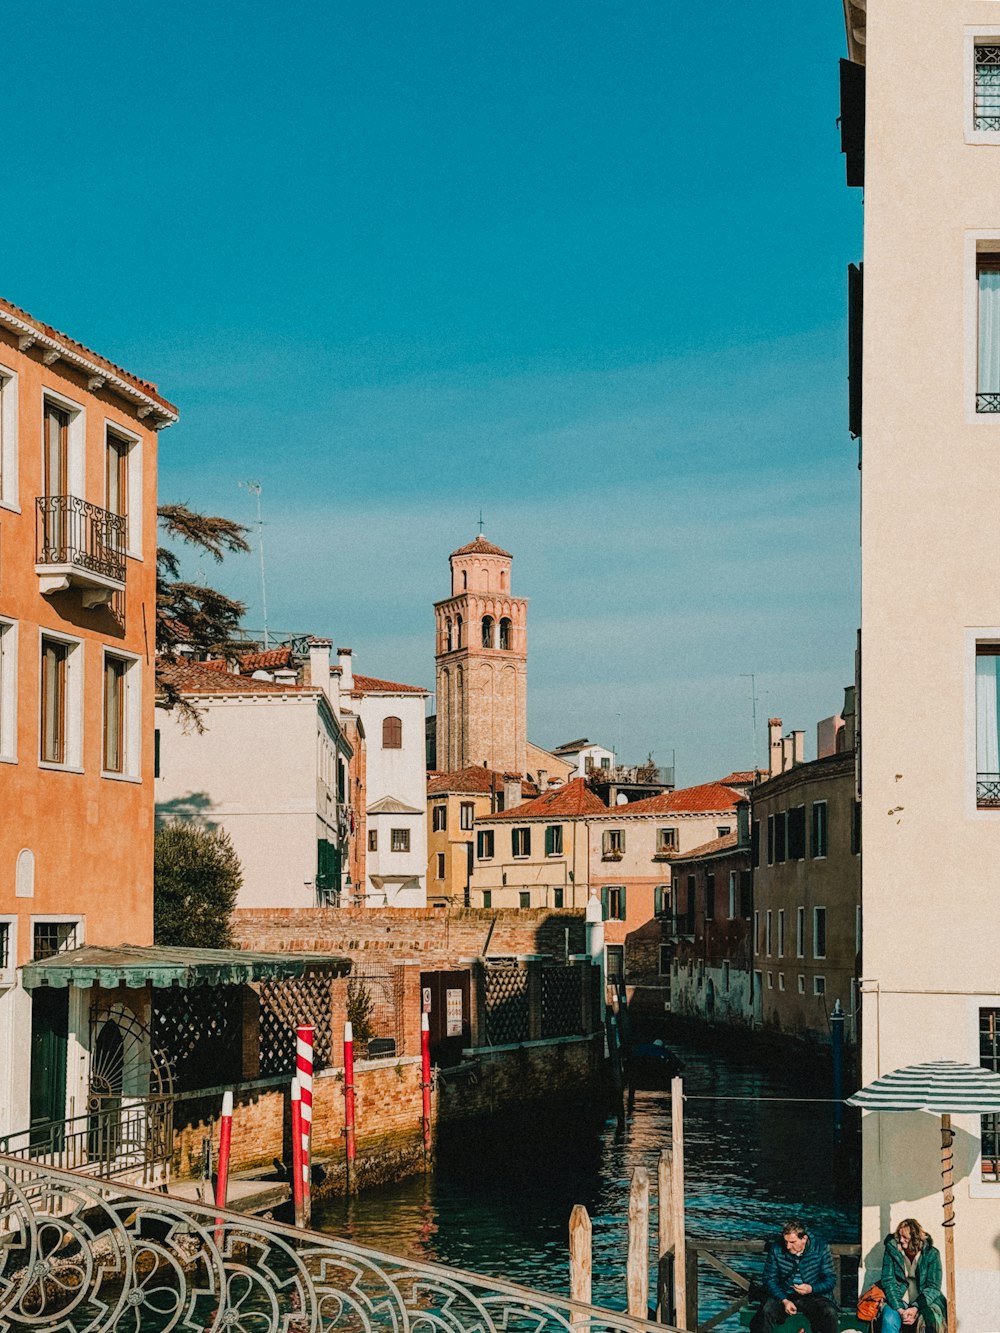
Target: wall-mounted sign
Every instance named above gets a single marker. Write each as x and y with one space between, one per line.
427 999
454 1013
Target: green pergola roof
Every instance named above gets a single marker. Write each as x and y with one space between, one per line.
136 966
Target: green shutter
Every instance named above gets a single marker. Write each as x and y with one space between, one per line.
604 902
624 907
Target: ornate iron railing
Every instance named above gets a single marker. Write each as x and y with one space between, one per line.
86 1256
71 531
988 788
988 402
134 1139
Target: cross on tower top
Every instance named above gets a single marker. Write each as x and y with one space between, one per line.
480 520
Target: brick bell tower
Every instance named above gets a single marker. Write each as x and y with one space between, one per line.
481 664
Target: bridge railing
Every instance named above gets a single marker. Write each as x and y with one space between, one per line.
83 1256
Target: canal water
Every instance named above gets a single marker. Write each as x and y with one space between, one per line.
499 1203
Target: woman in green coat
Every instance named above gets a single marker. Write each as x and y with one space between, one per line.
911 1280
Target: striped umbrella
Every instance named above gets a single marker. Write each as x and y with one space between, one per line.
945 1088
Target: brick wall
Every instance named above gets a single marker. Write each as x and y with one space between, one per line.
444 934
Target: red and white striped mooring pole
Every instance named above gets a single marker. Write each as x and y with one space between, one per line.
304 1071
349 1093
298 1179
225 1147
425 1079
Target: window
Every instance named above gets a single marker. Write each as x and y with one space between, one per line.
613 844
8 688
8 438
733 880
709 897
553 840
986 96
800 932
819 985
802 984
781 981
770 840
689 923
666 841
373 839
505 634
755 843
756 932
55 747
770 981
114 713
722 830
400 839
439 817
440 865
819 828
780 836
524 898
484 844
746 894
819 932
987 713
487 631
448 631
661 900
615 959
458 624
466 814
768 940
55 460
606 763
116 474
664 960
520 841
487 897
781 932
5 951
557 896
989 1058
613 902
52 937
392 733
988 360
797 833
856 828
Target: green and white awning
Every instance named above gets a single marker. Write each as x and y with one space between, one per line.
945 1087
162 966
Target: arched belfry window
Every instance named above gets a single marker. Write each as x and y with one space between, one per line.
505 633
487 631
392 733
458 631
503 581
465 580
448 626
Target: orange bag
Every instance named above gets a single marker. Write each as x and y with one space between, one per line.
870 1302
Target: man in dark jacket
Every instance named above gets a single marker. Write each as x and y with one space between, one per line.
798 1279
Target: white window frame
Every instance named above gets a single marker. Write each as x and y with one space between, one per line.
8 974
8 690
733 894
518 833
987 635
10 457
440 866
819 986
781 932
768 932
486 834
781 981
58 918
802 983
826 926
76 442
978 1188
825 806
980 35
800 932
976 242
466 811
73 761
131 716
133 485
756 933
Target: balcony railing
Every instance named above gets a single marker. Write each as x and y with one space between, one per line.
988 789
88 1256
134 1140
988 402
77 537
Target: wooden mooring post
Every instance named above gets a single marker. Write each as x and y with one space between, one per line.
684 1308
581 1268
637 1267
664 1239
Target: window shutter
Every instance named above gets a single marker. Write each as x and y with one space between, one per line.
604 902
855 320
549 840
624 911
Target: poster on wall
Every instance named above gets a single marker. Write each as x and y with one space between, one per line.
454 1013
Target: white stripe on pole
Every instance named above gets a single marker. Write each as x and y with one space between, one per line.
945 1087
304 1071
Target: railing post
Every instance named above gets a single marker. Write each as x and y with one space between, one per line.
637 1267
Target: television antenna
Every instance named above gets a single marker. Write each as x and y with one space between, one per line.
751 677
254 487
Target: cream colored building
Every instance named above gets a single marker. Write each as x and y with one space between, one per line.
454 802
925 381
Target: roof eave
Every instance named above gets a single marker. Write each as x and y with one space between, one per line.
855 19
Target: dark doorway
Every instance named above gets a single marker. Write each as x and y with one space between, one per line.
446 1003
49 1036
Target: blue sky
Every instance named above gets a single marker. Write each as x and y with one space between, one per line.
579 263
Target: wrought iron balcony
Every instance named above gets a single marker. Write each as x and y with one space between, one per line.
987 789
78 543
988 402
88 1256
132 1140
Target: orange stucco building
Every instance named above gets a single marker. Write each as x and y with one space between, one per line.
78 439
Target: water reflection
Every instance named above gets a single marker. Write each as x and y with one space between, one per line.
500 1201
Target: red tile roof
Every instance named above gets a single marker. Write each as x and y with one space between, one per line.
143 386
207 678
707 797
481 547
726 843
265 660
575 798
475 780
372 685
743 777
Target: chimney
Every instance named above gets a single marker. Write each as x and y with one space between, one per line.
319 664
543 779
511 791
774 745
285 675
743 823
798 747
345 658
334 690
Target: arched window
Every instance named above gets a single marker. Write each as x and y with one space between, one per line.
458 631
487 631
465 580
24 874
503 581
449 628
392 733
505 633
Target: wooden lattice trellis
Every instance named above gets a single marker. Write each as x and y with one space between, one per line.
506 1004
561 1002
200 1032
284 1005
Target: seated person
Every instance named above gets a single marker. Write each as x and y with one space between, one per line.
911 1280
798 1279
